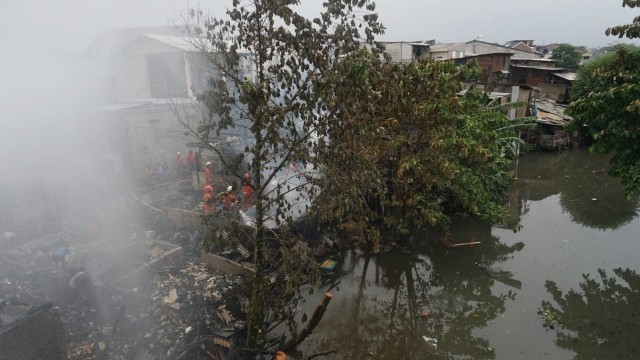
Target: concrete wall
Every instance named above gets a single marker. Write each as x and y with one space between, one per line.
39 335
400 52
131 78
150 134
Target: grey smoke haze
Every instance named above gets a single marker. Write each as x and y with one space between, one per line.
44 80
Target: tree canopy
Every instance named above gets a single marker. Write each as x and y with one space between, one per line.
566 55
606 99
410 150
631 31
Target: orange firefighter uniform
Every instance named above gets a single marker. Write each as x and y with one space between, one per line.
209 202
208 173
247 190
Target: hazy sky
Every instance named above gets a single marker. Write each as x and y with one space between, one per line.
580 22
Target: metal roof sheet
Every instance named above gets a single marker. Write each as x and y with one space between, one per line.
530 59
569 76
549 68
179 42
188 44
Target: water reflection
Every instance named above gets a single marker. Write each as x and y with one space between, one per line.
388 302
602 319
590 196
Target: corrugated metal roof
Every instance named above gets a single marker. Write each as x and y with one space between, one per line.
186 43
549 68
471 55
530 59
179 42
569 76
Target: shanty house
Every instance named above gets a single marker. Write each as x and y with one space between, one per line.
153 78
479 47
447 51
495 67
524 45
406 52
532 75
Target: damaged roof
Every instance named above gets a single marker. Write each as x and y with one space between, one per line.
569 76
538 67
552 113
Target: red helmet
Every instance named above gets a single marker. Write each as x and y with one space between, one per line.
208 189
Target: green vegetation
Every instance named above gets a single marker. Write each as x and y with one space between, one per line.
606 99
550 315
631 31
566 56
408 152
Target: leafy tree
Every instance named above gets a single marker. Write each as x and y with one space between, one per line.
283 111
606 99
631 31
566 55
408 151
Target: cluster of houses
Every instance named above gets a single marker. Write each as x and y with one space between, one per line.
152 76
516 71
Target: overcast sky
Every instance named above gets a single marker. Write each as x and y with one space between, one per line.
64 23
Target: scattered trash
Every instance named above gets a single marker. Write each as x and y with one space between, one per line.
329 265
449 242
171 298
77 278
432 342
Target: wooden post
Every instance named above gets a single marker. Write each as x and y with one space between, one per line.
313 322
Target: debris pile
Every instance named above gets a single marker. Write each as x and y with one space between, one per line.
142 299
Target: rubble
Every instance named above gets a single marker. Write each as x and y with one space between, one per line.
117 308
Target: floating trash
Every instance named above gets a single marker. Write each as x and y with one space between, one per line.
432 342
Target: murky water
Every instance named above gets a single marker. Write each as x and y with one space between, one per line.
483 302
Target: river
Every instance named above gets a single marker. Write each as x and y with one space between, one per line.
484 302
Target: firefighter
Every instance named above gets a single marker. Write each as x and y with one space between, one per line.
191 160
230 199
208 173
247 189
179 159
209 202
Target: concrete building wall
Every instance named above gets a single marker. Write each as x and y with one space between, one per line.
131 78
400 52
39 335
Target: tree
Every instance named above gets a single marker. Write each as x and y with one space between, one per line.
291 59
566 55
606 100
631 31
408 151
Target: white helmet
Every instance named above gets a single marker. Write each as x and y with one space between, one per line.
178 152
208 163
229 188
